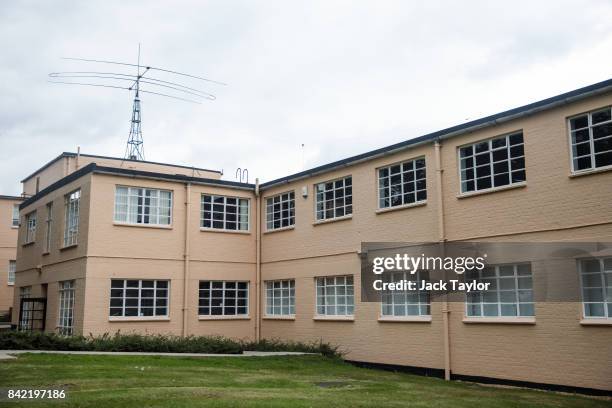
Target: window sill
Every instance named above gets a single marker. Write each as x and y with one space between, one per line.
500 320
279 317
221 317
596 321
226 231
405 319
492 190
68 247
590 171
334 318
14 226
155 226
327 221
46 253
270 231
25 244
401 207
139 319
10 284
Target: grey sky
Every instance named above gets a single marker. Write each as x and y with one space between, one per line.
340 77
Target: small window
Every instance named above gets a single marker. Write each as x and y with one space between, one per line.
135 205
591 140
280 298
335 296
406 302
510 292
12 267
30 233
71 221
223 298
492 163
402 184
15 215
596 280
65 323
334 198
280 211
139 298
224 213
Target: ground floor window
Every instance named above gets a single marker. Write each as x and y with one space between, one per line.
596 279
406 302
280 297
510 292
223 298
139 298
335 296
66 308
24 293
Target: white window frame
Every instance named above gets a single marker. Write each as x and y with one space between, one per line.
48 222
321 189
495 279
591 140
15 215
280 296
239 201
131 207
323 284
65 320
202 298
30 228
463 180
401 300
12 268
72 202
139 306
287 198
403 177
24 293
605 277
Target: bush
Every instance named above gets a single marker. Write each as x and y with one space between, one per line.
318 347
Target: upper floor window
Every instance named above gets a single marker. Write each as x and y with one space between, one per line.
71 222
135 205
280 297
591 139
334 198
12 267
139 298
402 183
596 279
492 163
224 213
335 296
15 215
407 302
30 233
280 211
49 222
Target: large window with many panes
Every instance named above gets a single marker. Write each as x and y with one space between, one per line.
596 280
280 211
224 213
71 221
334 198
335 296
591 139
223 298
402 184
493 163
403 303
280 297
12 268
65 324
30 232
139 298
149 206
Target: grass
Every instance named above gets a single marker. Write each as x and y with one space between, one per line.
290 381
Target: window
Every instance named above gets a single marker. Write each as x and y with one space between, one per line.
135 205
510 292
26 314
12 267
71 222
48 221
139 298
15 215
280 298
407 302
30 234
280 211
66 308
335 296
596 279
224 213
223 298
591 140
334 198
402 184
492 163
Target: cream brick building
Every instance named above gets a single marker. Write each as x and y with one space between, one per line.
9 223
124 245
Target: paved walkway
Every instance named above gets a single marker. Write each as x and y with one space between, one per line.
10 354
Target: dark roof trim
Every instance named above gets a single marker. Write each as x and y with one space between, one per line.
492 120
70 154
7 197
94 168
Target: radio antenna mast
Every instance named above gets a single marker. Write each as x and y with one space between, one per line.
135 145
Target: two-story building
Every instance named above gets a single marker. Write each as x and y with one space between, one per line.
9 224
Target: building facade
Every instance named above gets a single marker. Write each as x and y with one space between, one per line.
148 248
9 223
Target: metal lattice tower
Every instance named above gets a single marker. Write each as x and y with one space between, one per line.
135 145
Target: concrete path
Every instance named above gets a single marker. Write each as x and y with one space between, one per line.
10 354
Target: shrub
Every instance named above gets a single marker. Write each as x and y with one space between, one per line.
318 347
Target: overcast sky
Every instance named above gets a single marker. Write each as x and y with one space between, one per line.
340 77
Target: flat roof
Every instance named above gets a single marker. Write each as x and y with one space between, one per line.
9 197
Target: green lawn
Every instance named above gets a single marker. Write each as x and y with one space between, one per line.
295 381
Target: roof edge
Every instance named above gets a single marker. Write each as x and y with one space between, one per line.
10 197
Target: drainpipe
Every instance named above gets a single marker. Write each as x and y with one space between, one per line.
257 262
78 156
442 240
186 260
